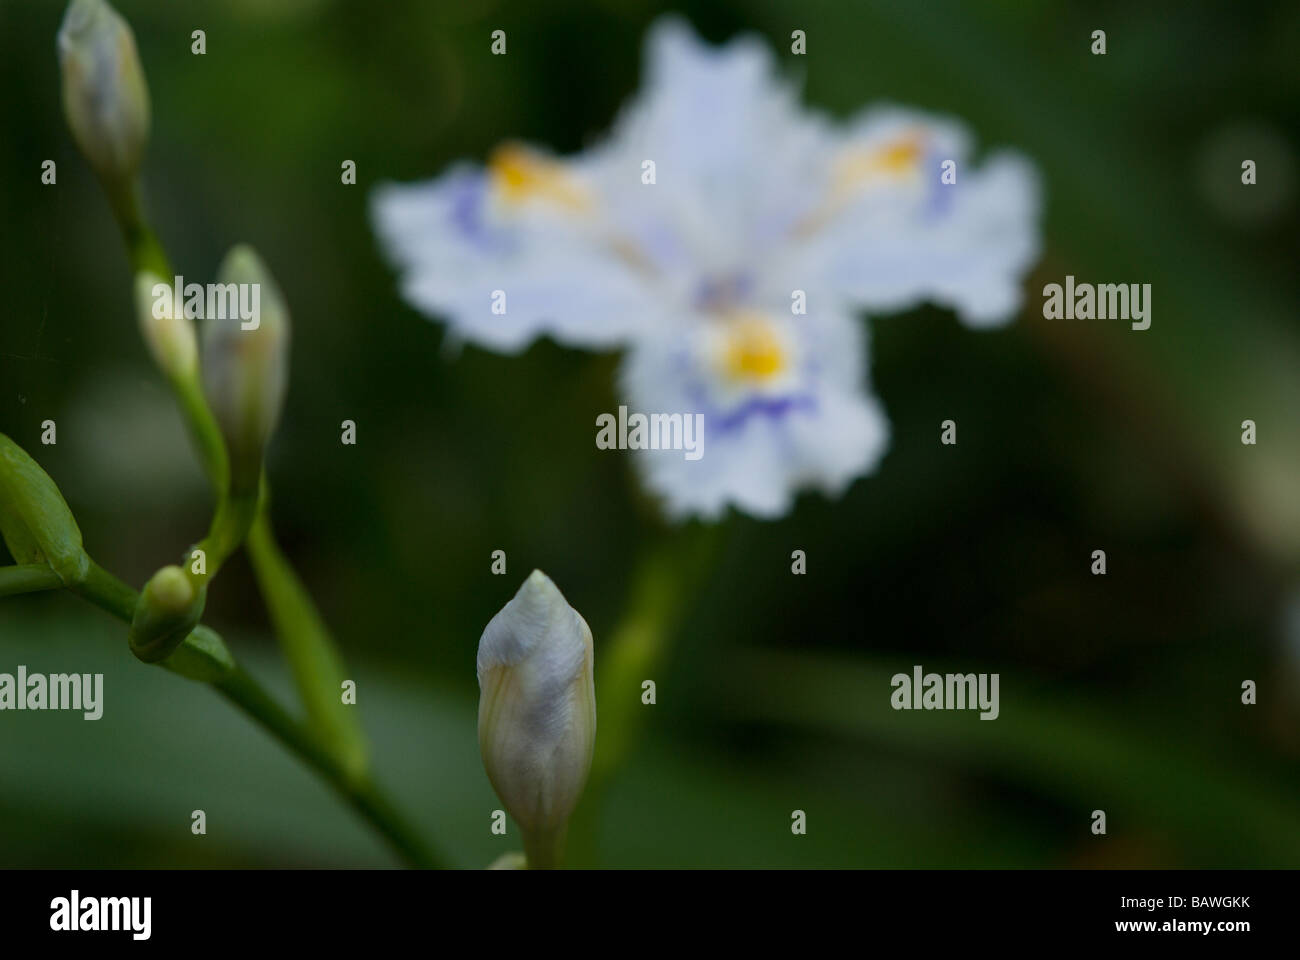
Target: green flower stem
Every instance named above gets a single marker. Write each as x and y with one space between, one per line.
311 652
638 650
203 431
27 578
642 643
142 246
109 593
544 849
230 525
358 789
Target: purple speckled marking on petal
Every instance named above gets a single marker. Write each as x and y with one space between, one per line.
728 421
776 408
468 197
719 292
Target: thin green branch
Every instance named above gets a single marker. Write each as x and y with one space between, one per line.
639 648
203 430
27 578
313 657
360 791
142 246
109 593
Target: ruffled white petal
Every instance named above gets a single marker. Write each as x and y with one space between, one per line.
456 247
736 159
903 237
820 433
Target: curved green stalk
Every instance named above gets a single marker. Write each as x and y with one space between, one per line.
142 246
204 433
544 849
27 578
198 659
640 646
308 647
359 790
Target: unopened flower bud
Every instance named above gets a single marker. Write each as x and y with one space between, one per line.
168 609
105 96
537 712
167 332
246 363
35 521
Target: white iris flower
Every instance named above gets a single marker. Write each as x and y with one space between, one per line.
695 275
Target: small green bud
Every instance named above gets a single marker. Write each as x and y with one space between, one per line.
537 712
105 97
246 367
169 608
171 589
167 332
35 520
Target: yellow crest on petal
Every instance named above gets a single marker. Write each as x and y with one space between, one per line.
752 348
520 175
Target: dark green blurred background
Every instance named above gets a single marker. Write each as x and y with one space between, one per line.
1119 692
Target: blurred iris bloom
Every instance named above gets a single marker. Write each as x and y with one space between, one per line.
725 238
